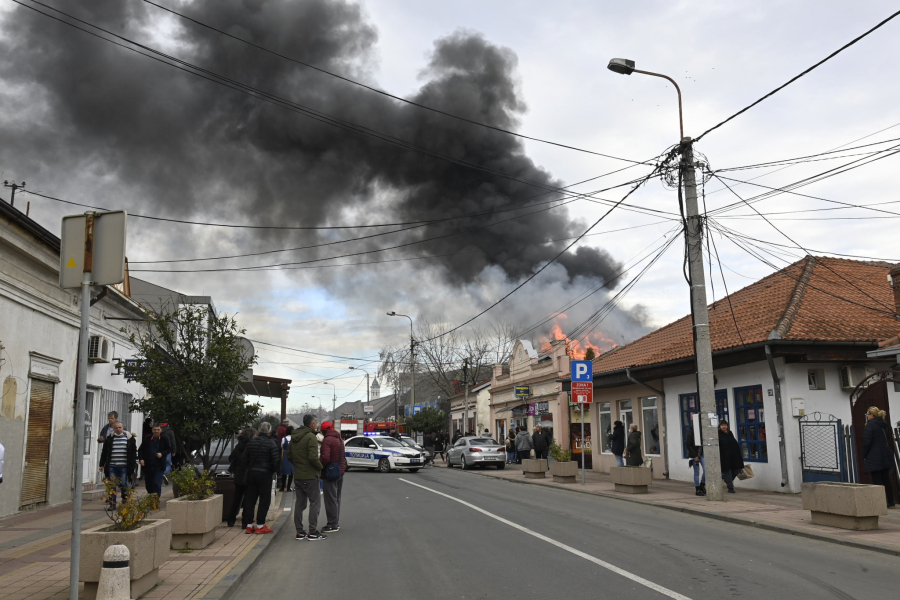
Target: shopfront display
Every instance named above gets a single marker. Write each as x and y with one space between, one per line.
581 448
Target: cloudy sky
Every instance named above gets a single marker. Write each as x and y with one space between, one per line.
87 121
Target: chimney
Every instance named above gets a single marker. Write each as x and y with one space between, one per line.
498 371
894 280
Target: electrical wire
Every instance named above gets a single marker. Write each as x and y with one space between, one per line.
795 78
382 92
809 158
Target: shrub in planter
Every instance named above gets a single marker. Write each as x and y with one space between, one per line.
147 541
197 511
563 468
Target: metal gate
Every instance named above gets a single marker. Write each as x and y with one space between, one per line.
822 453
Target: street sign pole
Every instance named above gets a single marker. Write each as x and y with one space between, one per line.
582 444
582 393
77 492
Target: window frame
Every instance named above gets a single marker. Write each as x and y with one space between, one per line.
604 435
645 436
721 413
737 425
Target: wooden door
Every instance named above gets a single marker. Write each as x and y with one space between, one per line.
874 395
37 443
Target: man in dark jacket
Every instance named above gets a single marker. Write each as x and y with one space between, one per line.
261 459
118 459
153 452
877 455
617 442
332 451
304 449
541 441
237 469
730 456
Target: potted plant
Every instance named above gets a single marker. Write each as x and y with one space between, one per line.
147 541
563 468
197 510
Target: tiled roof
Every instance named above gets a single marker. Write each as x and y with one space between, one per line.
816 298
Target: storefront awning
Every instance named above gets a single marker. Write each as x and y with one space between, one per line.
510 408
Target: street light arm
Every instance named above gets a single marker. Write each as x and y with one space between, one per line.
677 89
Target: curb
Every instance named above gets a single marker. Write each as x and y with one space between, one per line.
226 587
726 518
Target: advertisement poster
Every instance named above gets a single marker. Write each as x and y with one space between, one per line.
581 448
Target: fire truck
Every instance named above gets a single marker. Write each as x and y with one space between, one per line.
373 428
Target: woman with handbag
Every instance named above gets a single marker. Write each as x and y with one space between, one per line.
633 455
877 455
731 459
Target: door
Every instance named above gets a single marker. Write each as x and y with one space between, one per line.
367 452
625 414
874 395
353 452
37 443
90 446
456 450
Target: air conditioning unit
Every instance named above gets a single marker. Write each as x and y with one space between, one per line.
853 376
99 349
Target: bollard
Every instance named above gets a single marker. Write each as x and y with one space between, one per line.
115 576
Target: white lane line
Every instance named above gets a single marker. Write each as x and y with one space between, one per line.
602 563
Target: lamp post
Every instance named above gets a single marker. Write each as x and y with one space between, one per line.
693 234
368 399
412 357
333 398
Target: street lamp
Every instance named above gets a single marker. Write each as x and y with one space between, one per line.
333 398
693 234
412 356
368 400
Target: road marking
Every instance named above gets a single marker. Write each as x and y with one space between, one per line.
602 563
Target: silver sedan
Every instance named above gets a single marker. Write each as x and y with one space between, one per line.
470 451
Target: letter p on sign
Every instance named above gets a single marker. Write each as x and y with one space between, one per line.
582 370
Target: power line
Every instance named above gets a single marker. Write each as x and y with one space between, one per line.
792 80
829 155
382 92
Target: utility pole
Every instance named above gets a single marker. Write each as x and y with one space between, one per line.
412 366
466 381
700 315
13 186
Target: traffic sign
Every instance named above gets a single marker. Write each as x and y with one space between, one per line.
582 370
582 392
417 409
106 251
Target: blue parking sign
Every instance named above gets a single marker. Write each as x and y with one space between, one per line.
582 370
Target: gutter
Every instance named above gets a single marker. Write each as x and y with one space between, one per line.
778 415
664 428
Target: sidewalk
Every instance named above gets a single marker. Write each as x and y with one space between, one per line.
766 510
34 555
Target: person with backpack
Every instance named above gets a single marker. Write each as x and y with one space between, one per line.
304 452
332 476
261 460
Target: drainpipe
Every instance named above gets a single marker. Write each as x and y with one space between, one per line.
779 416
662 398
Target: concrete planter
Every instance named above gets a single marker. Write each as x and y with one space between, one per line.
631 480
844 505
194 522
534 468
148 546
564 472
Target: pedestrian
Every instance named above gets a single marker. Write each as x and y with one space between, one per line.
524 444
319 439
169 434
633 455
511 447
304 450
111 417
877 455
239 471
287 467
617 442
261 458
332 452
695 461
730 457
439 444
541 443
118 460
456 437
394 433
153 452
281 431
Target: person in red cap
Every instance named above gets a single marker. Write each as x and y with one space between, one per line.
332 475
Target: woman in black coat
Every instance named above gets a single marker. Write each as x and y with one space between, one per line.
877 455
633 456
239 471
730 457
617 442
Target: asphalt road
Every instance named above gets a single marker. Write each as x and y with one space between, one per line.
512 541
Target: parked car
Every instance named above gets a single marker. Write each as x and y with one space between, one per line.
411 443
470 451
382 453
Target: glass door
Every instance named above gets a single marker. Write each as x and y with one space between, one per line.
625 414
90 444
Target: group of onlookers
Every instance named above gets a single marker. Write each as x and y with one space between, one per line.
311 458
520 443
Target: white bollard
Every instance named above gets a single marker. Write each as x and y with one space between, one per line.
115 576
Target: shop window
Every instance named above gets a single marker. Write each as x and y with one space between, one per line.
690 404
650 415
750 423
605 426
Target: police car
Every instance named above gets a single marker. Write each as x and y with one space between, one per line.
382 453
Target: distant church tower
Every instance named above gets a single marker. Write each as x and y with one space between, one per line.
376 389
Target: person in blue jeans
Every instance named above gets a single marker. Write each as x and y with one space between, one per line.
617 442
697 461
118 460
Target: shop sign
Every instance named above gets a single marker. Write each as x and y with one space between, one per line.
541 408
523 391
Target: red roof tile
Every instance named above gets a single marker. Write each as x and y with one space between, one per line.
817 298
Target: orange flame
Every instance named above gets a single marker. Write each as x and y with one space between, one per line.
577 348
